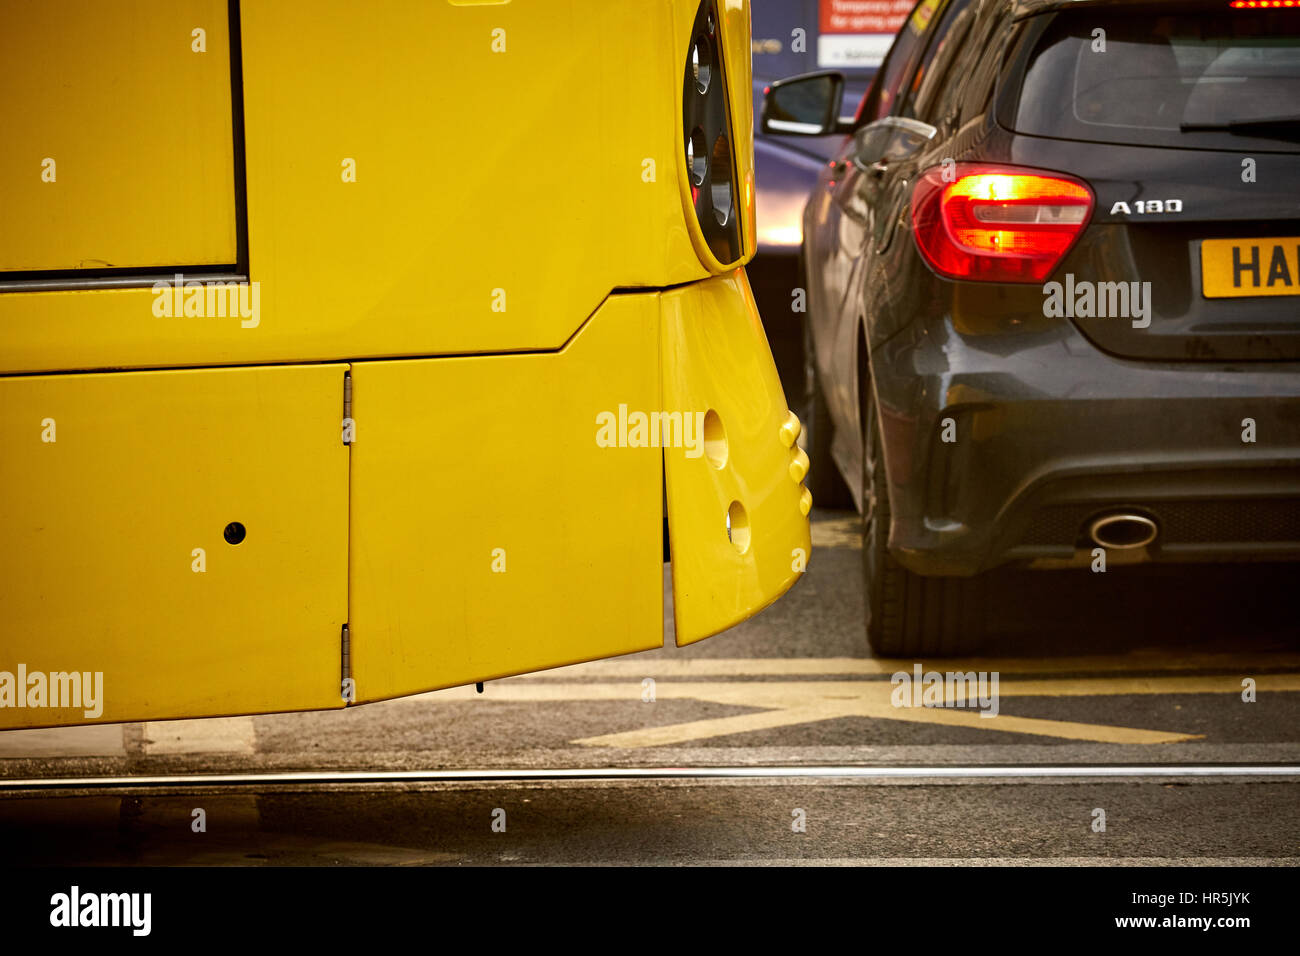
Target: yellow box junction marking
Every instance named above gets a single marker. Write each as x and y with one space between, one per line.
788 703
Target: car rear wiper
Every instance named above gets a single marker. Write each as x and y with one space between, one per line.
1268 124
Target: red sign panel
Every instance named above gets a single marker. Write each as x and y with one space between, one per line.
863 16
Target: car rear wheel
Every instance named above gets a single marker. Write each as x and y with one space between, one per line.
908 614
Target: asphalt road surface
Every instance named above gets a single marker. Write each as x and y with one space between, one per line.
1136 668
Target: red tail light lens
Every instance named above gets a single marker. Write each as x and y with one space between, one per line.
997 223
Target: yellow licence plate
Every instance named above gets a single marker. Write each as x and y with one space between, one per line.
1240 267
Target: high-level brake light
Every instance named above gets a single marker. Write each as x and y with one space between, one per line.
997 223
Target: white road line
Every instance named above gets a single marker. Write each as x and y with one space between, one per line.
650 773
227 735
94 740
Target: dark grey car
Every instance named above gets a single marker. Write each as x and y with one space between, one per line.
1053 276
787 40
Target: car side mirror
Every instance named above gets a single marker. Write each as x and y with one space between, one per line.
807 105
889 140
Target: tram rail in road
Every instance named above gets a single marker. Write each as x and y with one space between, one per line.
499 775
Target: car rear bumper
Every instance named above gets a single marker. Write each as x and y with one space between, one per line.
1049 433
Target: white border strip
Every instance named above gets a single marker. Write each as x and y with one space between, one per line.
135 781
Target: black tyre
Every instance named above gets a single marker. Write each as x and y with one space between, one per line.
823 479
908 615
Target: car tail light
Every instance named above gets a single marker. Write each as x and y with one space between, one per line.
706 133
997 223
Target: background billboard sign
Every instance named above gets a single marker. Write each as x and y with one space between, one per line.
858 33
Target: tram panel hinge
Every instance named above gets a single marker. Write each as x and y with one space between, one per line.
348 685
349 426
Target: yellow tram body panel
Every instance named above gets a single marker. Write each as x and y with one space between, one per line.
105 167
381 437
410 190
118 489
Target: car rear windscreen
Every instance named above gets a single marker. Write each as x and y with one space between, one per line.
1205 77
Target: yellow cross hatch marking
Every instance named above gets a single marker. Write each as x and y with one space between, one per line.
788 703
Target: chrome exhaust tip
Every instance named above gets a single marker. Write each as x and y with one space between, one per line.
1123 531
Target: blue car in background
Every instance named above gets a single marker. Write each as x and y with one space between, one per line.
792 37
